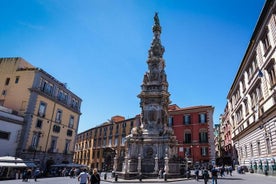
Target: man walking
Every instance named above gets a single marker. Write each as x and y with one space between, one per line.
214 172
83 177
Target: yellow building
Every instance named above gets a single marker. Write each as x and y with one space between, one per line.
51 111
98 146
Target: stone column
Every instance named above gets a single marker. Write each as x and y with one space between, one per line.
115 164
156 164
166 164
139 164
126 165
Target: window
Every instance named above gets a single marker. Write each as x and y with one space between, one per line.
131 124
245 149
187 119
116 141
123 141
4 135
203 137
243 84
71 122
202 118
56 128
99 142
104 142
16 79
268 146
110 142
239 114
271 73
69 133
42 109
204 151
188 137
259 148
241 153
58 116
117 129
62 96
265 42
170 122
75 104
7 81
39 123
4 92
35 140
246 106
46 86
53 145
67 146
251 149
187 151
95 143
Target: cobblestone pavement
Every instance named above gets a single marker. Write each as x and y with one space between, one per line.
235 179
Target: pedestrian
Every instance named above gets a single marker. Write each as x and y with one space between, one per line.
222 171
29 174
95 177
214 172
83 177
36 174
24 175
230 170
72 173
196 174
160 173
205 175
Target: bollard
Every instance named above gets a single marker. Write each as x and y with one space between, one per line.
116 177
165 177
113 174
105 175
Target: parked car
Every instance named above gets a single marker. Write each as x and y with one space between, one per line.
242 169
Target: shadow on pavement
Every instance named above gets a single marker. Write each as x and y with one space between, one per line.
232 178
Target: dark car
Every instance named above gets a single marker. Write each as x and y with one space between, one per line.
242 169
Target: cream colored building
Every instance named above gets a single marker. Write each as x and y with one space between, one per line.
98 146
51 111
10 129
250 114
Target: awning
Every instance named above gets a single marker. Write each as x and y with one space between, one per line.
30 164
9 161
12 164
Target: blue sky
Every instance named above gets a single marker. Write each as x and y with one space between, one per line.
99 48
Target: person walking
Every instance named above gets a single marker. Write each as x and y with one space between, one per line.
95 177
36 174
196 174
214 172
230 170
83 177
205 175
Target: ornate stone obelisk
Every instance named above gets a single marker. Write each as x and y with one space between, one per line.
152 145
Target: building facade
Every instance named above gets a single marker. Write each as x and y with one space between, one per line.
51 112
250 113
10 128
98 146
193 128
